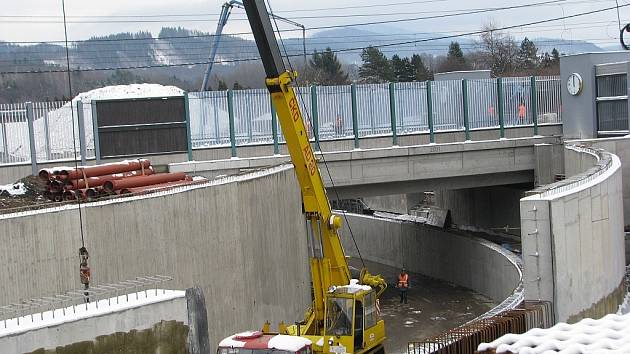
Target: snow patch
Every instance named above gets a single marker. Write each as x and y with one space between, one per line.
353 287
610 334
288 343
624 308
230 342
13 189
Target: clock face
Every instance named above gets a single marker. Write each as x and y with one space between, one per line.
574 84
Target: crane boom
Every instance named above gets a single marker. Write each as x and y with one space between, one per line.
344 311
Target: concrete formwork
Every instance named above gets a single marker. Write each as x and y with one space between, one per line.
573 241
464 260
160 325
241 240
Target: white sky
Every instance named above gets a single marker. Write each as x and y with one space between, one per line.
598 28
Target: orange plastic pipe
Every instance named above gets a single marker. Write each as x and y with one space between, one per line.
156 187
100 180
140 181
105 169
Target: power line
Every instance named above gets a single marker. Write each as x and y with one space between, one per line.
311 40
134 18
343 50
461 13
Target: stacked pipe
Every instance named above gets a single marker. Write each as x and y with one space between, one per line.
91 182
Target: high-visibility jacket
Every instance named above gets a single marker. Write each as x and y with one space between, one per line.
521 111
403 280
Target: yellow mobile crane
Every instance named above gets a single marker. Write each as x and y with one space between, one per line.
344 315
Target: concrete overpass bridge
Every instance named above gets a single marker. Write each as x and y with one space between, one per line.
410 168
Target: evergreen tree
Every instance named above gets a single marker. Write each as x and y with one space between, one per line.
222 85
420 70
454 59
527 57
546 60
403 70
555 55
327 68
376 67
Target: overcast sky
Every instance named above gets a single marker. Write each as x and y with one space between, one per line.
40 20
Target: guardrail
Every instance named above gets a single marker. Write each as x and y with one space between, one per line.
43 131
604 161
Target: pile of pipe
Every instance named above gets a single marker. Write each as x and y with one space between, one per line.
90 182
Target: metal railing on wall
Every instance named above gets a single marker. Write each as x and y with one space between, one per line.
234 118
466 338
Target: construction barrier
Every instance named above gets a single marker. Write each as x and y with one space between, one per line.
466 338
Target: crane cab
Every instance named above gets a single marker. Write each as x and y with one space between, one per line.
255 342
352 320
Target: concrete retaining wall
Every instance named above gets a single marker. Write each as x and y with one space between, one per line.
242 240
160 326
464 260
621 147
573 240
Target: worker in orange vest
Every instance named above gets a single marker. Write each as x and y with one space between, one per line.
521 111
403 285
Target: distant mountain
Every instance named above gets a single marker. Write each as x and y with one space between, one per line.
180 46
565 46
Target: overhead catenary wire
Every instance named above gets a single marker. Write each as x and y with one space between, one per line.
342 50
311 28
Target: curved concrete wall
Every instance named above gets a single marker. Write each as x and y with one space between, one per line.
573 240
464 260
241 240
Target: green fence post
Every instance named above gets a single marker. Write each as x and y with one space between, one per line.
30 120
355 118
315 116
97 143
430 114
81 126
534 104
188 132
274 128
500 108
392 113
465 103
230 102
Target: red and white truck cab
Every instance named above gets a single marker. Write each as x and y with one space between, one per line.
255 342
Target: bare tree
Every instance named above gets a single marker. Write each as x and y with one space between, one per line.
499 50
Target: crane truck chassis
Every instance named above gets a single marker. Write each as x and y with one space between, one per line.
344 316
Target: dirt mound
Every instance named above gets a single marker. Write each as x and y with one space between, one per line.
27 192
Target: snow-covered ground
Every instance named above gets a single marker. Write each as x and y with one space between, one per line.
13 189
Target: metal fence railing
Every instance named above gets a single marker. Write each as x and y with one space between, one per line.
242 117
466 338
